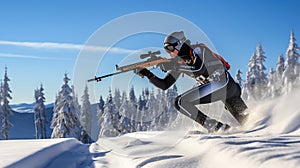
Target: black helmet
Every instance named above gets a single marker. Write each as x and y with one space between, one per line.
174 41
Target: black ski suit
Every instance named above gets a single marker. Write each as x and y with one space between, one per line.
215 84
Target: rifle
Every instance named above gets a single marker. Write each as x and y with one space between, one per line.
152 60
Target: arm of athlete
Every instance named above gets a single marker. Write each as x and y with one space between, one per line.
164 83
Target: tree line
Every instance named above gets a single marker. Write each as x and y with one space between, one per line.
151 111
280 80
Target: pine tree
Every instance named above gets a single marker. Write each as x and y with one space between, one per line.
108 127
117 99
65 122
251 76
278 76
292 67
272 84
36 115
279 68
262 79
140 113
100 111
40 114
1 110
43 111
132 96
238 77
116 111
288 78
170 98
76 102
86 116
153 110
6 110
133 107
164 114
126 113
291 53
256 80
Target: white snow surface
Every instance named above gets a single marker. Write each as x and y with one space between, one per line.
270 139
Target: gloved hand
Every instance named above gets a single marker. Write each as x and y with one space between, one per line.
144 72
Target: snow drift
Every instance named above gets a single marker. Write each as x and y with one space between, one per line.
270 139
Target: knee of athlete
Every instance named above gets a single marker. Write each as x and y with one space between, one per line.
177 102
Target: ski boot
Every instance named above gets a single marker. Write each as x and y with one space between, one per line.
215 126
210 124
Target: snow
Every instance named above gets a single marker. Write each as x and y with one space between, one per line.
270 139
33 153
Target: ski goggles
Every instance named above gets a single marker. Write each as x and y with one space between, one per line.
170 47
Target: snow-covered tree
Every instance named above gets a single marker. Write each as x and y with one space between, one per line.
43 111
153 110
36 115
279 68
100 111
86 116
238 77
140 113
116 112
65 122
40 114
288 78
1 90
251 76
291 53
5 107
1 102
76 102
292 67
126 112
133 109
170 98
109 126
132 96
278 77
256 80
142 101
262 79
117 99
272 90
164 116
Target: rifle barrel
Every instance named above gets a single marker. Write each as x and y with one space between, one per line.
98 79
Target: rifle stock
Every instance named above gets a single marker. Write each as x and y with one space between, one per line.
152 61
144 64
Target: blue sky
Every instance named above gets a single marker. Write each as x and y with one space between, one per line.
40 41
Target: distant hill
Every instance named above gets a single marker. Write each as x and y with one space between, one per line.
23 122
26 107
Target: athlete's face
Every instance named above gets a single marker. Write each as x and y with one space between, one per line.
173 54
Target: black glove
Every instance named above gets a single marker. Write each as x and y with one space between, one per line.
144 72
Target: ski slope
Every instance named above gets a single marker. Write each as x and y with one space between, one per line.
270 139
